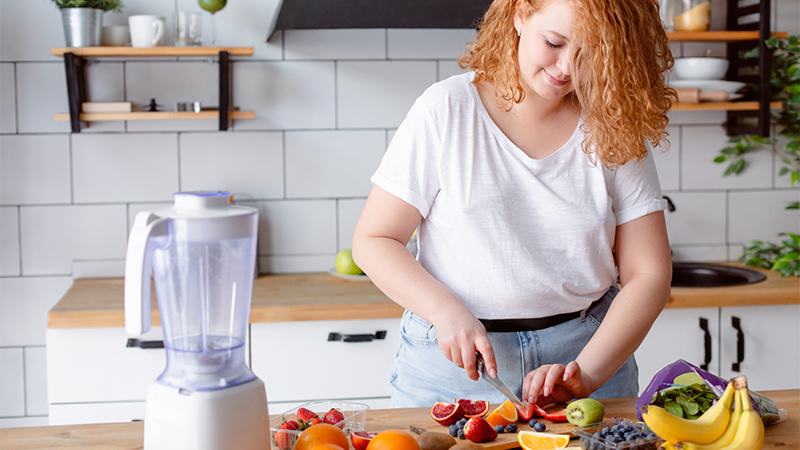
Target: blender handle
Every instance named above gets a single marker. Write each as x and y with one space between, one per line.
137 274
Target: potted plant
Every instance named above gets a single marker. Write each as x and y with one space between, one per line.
785 87
83 20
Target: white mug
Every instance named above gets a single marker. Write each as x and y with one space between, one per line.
146 31
115 35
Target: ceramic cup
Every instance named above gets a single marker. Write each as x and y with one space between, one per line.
115 36
146 31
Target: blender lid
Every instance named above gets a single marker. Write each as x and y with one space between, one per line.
207 215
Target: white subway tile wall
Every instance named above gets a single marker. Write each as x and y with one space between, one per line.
327 103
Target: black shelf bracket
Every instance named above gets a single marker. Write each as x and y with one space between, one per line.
224 89
76 88
752 72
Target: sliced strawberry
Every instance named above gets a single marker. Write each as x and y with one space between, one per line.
333 416
305 415
538 411
558 416
525 411
284 440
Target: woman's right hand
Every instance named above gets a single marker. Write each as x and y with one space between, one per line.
460 335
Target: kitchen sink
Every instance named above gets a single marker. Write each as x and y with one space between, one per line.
687 274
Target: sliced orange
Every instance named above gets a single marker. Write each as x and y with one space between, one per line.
503 415
531 440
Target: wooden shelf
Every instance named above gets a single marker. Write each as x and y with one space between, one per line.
723 106
151 51
719 36
155 115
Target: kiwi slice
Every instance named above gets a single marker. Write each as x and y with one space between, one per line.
585 411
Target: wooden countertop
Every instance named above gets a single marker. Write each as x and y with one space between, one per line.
319 296
129 436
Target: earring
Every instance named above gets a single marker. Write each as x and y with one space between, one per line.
519 33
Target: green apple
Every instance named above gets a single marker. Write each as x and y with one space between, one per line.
345 264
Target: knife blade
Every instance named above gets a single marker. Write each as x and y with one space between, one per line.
496 382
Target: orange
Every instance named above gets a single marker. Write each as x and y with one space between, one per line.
392 440
531 440
321 433
503 415
325 447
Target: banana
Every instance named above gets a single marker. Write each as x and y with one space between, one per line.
727 437
750 433
704 430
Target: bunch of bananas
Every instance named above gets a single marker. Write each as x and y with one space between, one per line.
717 429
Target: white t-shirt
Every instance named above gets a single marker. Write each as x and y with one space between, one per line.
513 237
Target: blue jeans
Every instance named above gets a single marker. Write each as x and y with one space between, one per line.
421 375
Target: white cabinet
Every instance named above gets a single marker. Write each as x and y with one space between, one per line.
689 334
298 362
767 349
93 377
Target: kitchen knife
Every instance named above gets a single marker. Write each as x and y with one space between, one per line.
496 382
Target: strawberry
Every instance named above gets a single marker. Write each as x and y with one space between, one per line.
284 440
538 411
333 416
315 420
525 411
305 415
477 429
558 416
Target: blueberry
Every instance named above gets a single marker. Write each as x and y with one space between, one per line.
605 430
461 434
499 429
453 430
533 423
511 428
539 427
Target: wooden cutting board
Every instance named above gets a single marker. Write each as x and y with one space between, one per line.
379 420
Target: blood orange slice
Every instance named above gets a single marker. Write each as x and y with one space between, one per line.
473 408
447 413
360 439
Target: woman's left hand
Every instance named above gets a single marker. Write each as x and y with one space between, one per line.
555 383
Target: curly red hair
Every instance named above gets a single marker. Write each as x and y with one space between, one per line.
622 51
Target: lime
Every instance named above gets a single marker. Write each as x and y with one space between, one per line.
212 6
345 264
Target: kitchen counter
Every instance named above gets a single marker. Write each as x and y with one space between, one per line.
129 436
92 303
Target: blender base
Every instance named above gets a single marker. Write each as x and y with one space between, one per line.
230 418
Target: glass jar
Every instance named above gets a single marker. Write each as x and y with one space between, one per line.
686 15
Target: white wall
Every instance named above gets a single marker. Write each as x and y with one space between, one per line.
326 103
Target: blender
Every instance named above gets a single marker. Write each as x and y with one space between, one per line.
202 256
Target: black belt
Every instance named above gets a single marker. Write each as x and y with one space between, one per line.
515 325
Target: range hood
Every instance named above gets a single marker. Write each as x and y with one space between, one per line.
332 14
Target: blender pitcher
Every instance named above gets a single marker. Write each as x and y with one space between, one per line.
202 254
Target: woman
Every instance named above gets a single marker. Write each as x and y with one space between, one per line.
531 185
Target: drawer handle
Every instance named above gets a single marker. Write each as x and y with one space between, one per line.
706 343
356 337
144 344
737 324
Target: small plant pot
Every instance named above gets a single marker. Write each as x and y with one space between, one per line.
83 27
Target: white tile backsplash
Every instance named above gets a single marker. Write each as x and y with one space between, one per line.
667 157
336 44
448 68
41 92
296 227
286 95
761 215
706 253
34 169
247 164
9 241
29 29
11 377
24 303
8 107
378 94
349 212
124 167
54 236
701 144
326 164
699 218
36 381
428 43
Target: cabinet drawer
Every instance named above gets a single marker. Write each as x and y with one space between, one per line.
86 365
298 363
84 413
